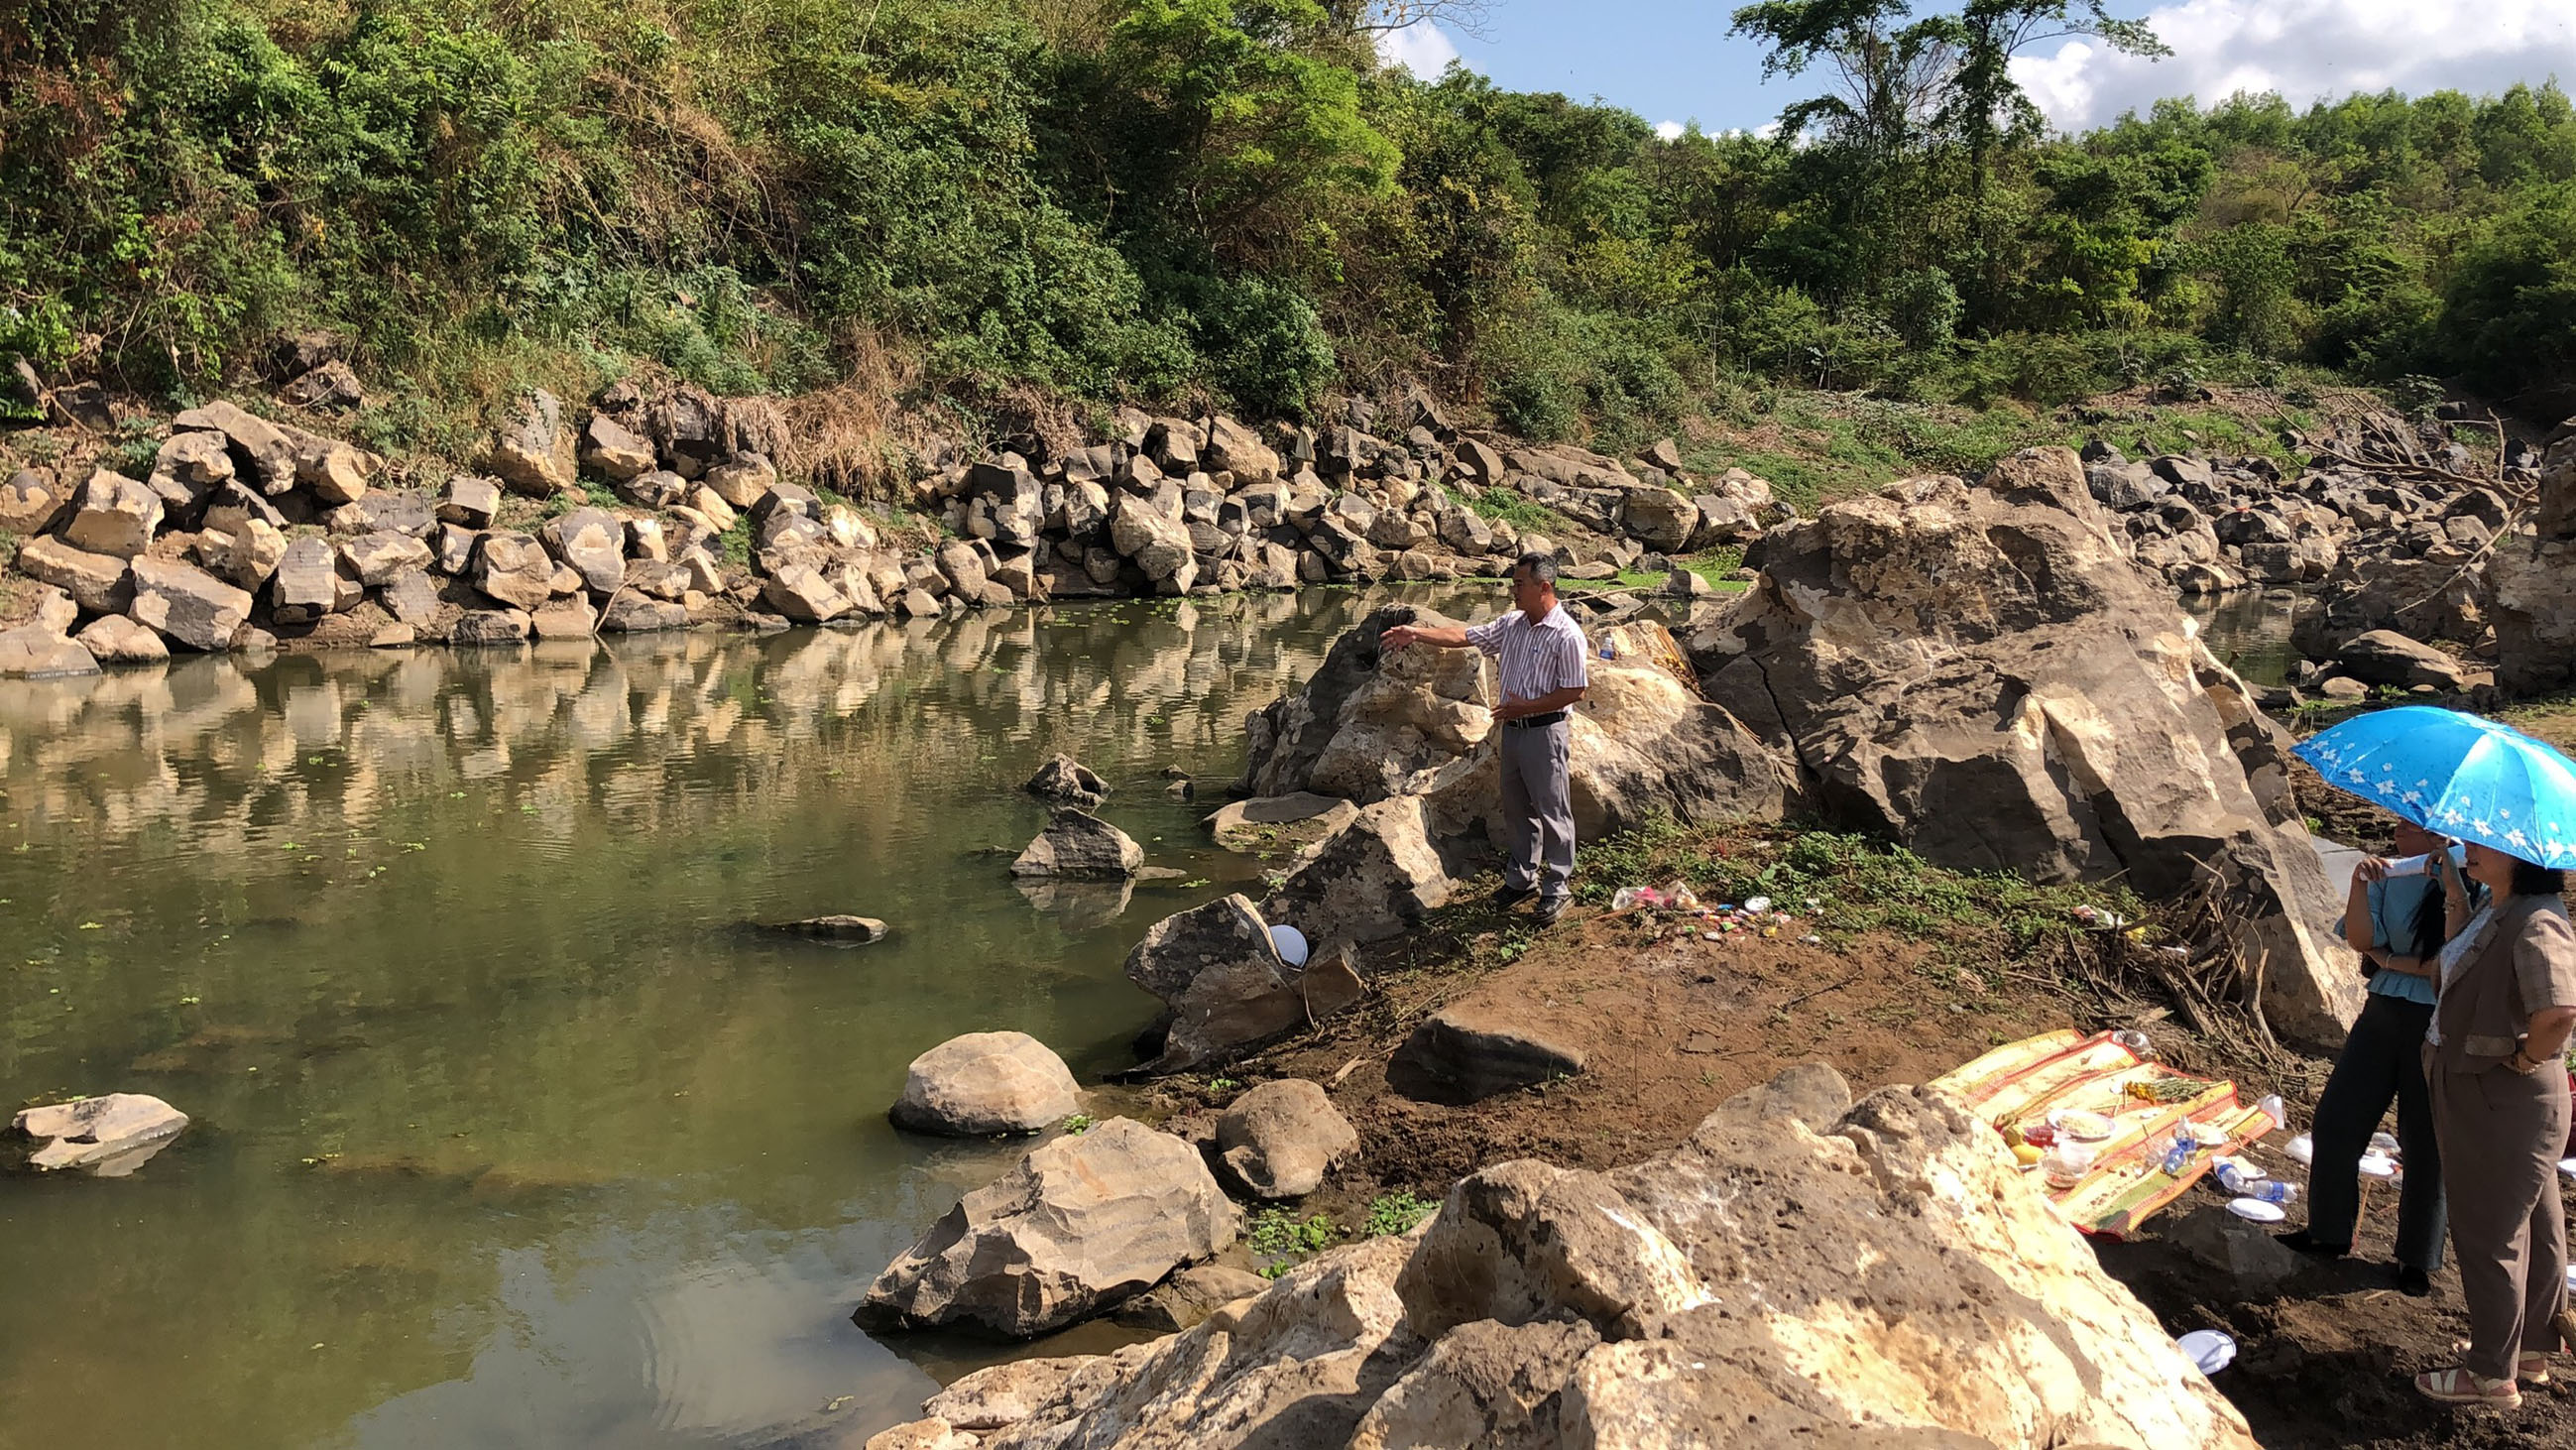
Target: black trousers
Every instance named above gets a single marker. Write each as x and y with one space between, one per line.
2382 1061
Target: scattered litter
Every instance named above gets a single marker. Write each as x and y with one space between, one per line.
2256 1210
2384 1144
2374 1165
2137 1044
2079 1124
1758 904
2567 1166
2098 919
2303 1151
2254 1185
2210 1349
1291 944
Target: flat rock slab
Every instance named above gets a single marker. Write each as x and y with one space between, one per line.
107 1137
37 654
1465 1052
859 929
1299 817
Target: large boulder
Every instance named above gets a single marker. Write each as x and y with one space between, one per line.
1659 518
107 1136
985 1083
99 583
514 568
532 450
2534 579
188 605
305 585
2385 657
1080 845
1644 743
1916 1290
1376 878
1983 675
1158 542
34 652
1066 781
1217 969
113 514
113 639
1081 1224
262 449
593 542
1281 1138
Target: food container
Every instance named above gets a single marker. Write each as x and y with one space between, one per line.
2067 1164
2077 1123
2256 1210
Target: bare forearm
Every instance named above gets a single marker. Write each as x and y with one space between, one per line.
1551 701
2357 932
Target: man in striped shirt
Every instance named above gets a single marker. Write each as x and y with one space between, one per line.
1542 659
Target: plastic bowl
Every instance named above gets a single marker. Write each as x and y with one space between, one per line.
1291 944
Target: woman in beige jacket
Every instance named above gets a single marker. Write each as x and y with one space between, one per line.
2495 1060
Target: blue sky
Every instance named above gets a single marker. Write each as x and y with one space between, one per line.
1671 61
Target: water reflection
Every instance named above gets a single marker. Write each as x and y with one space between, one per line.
2250 632
504 1133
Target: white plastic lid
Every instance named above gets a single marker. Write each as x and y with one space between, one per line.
2209 1348
1291 944
2256 1209
2372 1165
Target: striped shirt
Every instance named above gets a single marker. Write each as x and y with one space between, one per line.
1535 659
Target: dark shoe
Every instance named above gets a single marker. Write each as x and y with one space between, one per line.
2298 1239
1549 909
2413 1282
1506 897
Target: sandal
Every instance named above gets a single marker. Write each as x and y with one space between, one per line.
2531 1367
2456 1386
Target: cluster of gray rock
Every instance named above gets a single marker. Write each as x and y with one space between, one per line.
1803 1268
1169 505
247 531
2398 529
1098 1215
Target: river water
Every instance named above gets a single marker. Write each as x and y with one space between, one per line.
506 1132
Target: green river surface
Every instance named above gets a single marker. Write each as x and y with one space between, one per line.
507 1132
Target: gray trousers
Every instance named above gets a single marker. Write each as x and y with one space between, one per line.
2502 1132
1537 808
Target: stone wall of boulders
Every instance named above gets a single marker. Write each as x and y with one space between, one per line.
246 532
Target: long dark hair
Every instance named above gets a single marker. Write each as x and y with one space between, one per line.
2431 926
2533 879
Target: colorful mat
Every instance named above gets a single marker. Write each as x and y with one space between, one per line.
2016 1087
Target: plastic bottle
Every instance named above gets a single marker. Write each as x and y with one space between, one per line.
2178 1154
2136 1043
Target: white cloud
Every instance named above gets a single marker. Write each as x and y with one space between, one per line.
1421 48
1669 130
2309 50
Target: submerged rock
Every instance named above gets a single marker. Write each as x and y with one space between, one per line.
1083 846
985 1083
836 928
107 1137
1080 1225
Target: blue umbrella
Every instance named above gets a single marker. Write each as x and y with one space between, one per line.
2457 775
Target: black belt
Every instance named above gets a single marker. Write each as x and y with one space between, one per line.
1535 722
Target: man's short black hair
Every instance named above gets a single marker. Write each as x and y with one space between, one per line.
1541 567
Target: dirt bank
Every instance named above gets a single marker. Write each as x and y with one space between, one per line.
1914 971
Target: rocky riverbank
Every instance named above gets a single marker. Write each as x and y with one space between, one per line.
662 510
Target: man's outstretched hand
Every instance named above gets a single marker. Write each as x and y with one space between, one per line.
1398 637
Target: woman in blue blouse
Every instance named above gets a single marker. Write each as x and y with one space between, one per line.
2396 921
